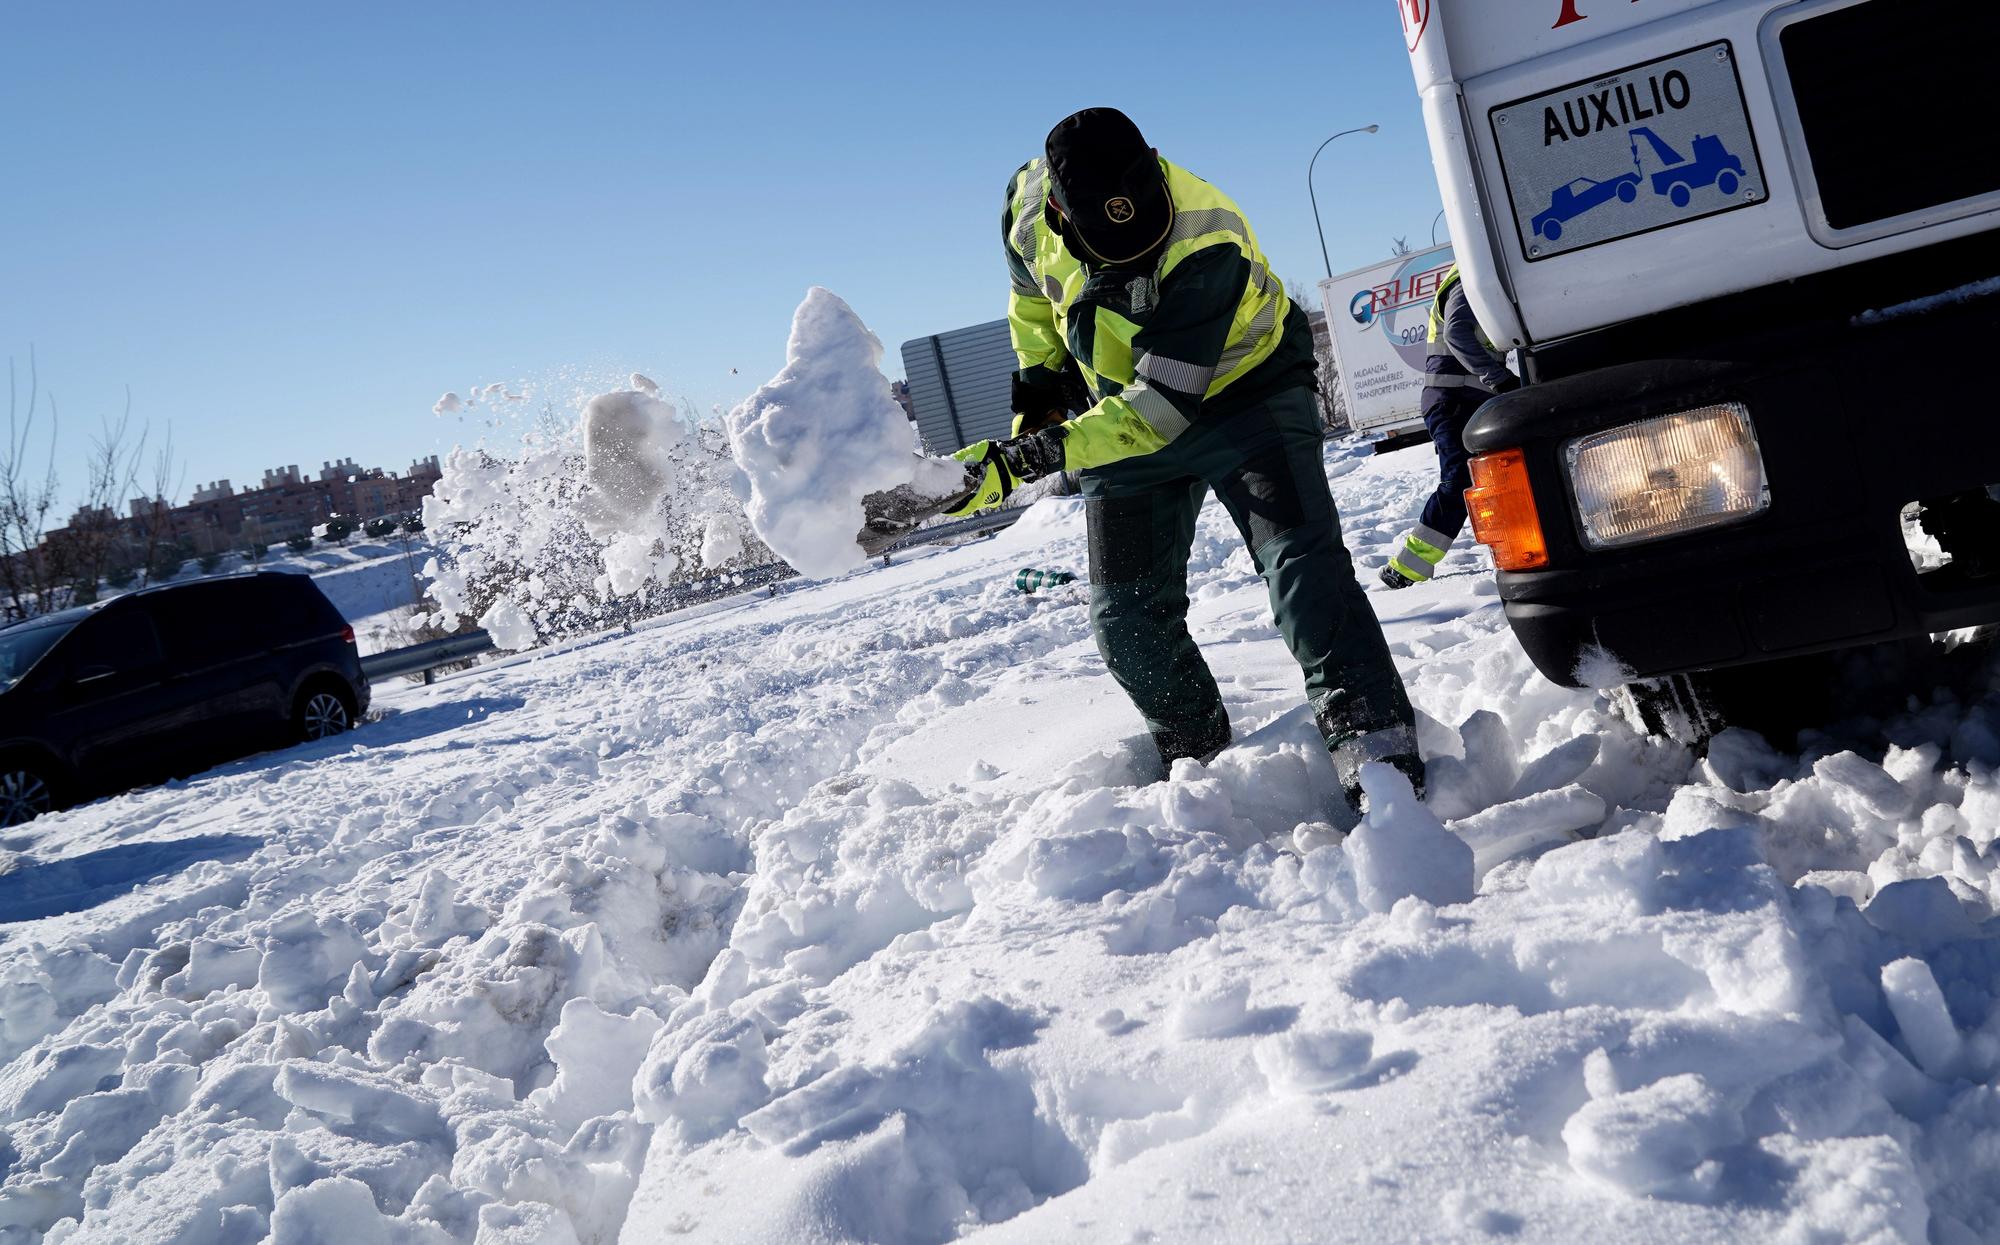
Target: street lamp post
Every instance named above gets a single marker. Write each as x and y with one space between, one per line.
1364 129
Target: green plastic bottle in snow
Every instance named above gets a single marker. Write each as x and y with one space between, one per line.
1031 578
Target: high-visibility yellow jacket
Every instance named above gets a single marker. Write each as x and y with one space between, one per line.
1207 330
1461 355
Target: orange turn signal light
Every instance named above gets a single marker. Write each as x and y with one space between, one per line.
1503 511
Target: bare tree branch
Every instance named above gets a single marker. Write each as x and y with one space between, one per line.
27 573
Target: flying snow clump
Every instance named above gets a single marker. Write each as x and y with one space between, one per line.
823 434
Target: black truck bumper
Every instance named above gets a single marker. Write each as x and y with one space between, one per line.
1854 419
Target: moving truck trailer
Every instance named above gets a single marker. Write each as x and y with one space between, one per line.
1378 320
1749 251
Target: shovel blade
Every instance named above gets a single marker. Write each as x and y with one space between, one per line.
894 513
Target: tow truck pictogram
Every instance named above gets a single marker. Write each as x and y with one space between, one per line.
1712 164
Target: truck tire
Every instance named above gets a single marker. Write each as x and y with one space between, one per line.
1683 708
1727 183
1679 194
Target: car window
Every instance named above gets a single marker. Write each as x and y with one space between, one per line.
22 647
122 641
305 607
292 608
203 624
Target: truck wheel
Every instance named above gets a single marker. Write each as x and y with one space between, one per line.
1682 708
1680 194
1727 184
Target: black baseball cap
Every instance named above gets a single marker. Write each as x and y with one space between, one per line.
1107 182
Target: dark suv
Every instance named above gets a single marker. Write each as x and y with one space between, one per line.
166 681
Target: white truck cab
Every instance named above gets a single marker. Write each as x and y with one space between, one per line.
1742 246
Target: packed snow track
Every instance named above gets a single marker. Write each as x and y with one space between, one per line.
854 914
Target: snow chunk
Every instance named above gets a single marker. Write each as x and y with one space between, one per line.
1923 910
337 1209
721 540
1654 1141
1210 1009
704 1078
448 404
1507 830
596 1054
509 625
628 439
1920 1012
821 435
1401 849
1303 1061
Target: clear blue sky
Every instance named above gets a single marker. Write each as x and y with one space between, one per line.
289 228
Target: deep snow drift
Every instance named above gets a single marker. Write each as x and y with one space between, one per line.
850 914
823 434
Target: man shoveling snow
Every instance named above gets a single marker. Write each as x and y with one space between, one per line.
1150 282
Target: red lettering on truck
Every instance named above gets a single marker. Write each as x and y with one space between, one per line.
1416 19
1569 14
1418 287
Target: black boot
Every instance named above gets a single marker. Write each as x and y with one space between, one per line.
1395 746
1353 741
1201 741
1394 579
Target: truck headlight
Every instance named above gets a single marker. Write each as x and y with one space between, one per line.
1668 476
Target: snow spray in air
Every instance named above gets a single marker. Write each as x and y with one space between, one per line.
590 521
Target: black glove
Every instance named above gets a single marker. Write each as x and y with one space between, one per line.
1035 455
1037 400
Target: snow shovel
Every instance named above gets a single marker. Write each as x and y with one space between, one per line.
895 513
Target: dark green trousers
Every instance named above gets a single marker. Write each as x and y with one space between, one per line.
1264 463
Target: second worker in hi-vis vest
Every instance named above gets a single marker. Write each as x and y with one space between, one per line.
1464 369
1149 283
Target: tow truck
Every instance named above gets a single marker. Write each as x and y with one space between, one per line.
1751 427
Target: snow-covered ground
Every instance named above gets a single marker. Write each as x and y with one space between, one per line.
854 913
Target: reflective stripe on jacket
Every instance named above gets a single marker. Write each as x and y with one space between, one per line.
1461 355
1155 347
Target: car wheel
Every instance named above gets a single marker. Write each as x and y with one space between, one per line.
1627 192
323 712
25 792
1726 183
1552 230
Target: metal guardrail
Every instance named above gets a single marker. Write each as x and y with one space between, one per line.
427 658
